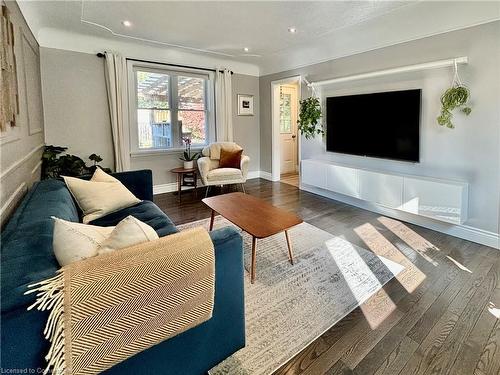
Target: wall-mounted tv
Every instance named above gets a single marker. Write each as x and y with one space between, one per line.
383 125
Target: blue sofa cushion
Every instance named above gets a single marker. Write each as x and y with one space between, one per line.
145 211
27 255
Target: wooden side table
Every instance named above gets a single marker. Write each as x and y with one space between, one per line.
185 177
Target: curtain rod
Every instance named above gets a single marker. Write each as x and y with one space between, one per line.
102 55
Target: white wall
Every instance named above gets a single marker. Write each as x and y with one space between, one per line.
21 151
470 152
77 115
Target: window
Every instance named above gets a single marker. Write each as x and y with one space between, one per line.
285 112
168 106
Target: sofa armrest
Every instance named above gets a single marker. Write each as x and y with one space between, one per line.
139 182
245 161
23 346
204 166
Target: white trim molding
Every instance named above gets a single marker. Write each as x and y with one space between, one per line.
36 167
14 198
275 131
20 162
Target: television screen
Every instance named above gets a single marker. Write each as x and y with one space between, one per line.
384 125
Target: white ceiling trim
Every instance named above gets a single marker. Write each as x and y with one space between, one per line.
135 38
62 39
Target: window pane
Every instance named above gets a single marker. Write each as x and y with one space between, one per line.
285 113
191 92
193 125
152 90
155 130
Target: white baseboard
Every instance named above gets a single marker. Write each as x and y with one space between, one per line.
253 174
172 186
465 232
266 176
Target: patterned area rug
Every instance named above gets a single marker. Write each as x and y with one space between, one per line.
288 306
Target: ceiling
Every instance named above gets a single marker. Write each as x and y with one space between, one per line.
224 29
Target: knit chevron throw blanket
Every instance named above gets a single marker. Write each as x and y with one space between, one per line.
105 309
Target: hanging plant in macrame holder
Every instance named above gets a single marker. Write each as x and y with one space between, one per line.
309 116
457 96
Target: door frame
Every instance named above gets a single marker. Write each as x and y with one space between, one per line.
275 124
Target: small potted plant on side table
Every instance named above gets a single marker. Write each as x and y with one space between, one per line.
187 157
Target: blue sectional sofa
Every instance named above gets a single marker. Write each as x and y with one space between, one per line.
27 257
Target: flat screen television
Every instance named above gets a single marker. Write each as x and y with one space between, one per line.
383 125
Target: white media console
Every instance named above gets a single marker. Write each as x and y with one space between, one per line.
438 199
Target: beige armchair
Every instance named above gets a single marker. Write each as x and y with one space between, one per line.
210 172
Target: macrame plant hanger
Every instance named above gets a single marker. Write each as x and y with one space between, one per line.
456 77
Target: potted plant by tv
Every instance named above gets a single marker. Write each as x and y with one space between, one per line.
309 116
187 157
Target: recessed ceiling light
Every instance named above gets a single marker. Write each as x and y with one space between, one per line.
126 23
246 49
292 30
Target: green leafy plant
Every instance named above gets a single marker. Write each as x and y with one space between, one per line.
454 97
55 164
309 116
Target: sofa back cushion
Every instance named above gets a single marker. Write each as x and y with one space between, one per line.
26 253
100 196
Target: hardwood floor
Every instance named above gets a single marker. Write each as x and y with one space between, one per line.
290 179
439 316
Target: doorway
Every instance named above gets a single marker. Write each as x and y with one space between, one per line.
288 129
285 142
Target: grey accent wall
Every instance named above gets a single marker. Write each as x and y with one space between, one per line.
247 128
76 103
77 115
470 152
21 150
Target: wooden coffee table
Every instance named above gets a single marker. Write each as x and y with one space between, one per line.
255 216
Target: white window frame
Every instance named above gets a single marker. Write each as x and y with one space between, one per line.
173 72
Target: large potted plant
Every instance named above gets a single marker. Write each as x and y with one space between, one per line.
309 117
55 163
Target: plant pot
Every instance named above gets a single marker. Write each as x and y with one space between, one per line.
188 164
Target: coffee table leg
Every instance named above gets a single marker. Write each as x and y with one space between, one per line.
289 246
254 250
212 220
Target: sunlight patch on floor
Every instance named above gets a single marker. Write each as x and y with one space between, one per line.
410 237
494 310
458 264
376 308
411 277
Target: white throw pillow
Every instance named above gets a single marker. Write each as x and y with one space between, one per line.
100 196
73 242
130 231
